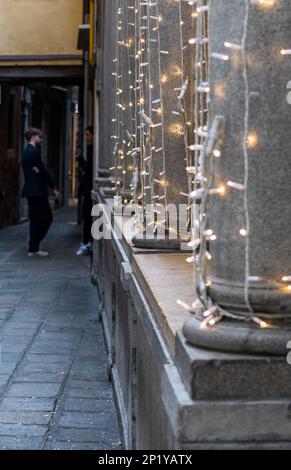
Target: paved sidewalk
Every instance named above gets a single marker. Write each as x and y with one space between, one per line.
54 392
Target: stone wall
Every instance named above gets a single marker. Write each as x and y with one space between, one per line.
196 386
178 396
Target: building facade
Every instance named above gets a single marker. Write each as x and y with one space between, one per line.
191 107
40 68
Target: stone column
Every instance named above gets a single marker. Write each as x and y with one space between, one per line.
165 72
171 76
126 68
251 256
117 59
108 83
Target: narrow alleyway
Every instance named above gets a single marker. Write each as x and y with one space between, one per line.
54 392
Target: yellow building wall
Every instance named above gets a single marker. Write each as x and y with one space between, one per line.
39 27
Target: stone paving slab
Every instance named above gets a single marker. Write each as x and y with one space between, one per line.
7 367
19 430
82 435
54 390
39 377
7 358
12 347
20 443
25 417
100 392
47 359
38 367
89 405
38 390
79 419
15 332
27 325
51 445
27 404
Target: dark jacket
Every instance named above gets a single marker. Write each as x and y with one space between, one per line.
35 184
86 179
2 194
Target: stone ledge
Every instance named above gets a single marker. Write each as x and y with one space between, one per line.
208 423
210 375
162 276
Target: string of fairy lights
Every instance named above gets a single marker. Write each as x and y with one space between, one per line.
117 152
211 150
140 127
141 58
130 128
151 115
195 119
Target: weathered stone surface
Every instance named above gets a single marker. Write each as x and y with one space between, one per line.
20 443
4 379
51 345
26 418
39 377
82 435
210 375
109 81
87 405
19 430
103 391
37 390
260 422
84 420
52 445
269 121
27 404
171 68
238 337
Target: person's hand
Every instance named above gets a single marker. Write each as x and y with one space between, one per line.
56 193
36 170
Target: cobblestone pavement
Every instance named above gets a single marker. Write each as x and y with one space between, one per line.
54 392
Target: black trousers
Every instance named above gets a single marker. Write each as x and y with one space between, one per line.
87 219
40 217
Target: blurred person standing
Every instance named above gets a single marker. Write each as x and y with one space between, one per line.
85 188
37 182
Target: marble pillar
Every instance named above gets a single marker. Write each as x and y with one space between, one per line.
167 167
107 84
251 255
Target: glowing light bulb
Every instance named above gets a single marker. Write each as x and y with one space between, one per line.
285 52
164 78
252 140
217 55
264 3
260 322
233 46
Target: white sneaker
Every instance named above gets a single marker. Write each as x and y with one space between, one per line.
39 254
83 250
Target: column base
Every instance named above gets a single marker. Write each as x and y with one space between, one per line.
104 181
238 337
156 243
108 192
265 297
143 240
